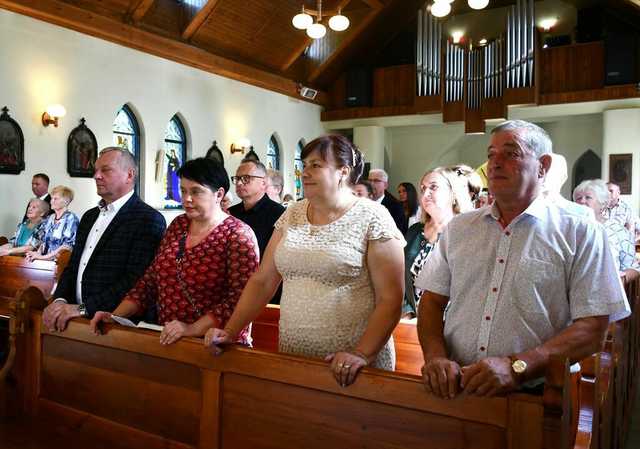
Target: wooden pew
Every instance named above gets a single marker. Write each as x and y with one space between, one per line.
17 367
127 388
409 359
17 273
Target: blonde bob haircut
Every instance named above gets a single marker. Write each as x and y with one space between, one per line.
64 191
458 185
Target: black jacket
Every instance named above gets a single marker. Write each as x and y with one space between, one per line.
121 256
397 212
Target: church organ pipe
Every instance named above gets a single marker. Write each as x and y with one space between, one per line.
531 32
520 44
419 56
428 49
453 72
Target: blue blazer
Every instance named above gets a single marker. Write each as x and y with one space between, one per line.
121 256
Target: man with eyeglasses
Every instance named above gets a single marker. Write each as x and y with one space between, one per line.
379 182
256 209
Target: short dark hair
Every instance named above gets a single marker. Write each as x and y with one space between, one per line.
206 172
42 176
367 186
259 165
345 153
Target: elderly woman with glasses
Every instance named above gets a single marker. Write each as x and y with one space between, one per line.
32 225
443 195
339 258
204 261
593 193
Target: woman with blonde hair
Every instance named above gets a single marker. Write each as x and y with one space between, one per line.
58 232
444 193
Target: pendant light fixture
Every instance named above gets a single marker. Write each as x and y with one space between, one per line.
316 30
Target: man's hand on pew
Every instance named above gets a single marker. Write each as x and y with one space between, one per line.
441 377
489 377
57 314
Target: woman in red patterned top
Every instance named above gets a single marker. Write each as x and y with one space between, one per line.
202 265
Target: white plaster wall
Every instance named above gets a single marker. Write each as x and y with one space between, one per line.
92 78
621 135
416 149
572 137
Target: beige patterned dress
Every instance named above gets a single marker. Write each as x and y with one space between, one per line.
327 295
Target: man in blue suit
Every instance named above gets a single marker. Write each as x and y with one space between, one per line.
115 243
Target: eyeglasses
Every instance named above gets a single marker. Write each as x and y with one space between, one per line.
244 179
376 180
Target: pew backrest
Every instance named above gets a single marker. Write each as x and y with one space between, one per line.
17 273
409 358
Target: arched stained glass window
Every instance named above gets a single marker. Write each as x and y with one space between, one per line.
297 170
273 154
126 134
175 154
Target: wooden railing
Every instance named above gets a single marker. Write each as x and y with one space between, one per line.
125 386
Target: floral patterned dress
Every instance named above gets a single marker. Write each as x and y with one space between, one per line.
205 279
55 234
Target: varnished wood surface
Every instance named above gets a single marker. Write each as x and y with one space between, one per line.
572 67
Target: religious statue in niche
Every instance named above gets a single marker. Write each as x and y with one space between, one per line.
620 171
82 151
298 183
11 144
215 154
173 182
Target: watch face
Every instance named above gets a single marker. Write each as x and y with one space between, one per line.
519 366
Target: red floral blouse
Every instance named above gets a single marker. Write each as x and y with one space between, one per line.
214 273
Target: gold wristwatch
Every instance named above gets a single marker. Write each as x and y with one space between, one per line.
518 366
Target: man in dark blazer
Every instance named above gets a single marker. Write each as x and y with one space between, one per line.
379 182
115 243
40 188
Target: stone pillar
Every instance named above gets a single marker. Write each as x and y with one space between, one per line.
621 135
371 141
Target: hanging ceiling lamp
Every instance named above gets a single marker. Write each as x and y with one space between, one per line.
440 8
478 4
339 22
304 21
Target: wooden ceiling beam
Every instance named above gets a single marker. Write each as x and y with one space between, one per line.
69 16
141 10
375 4
307 41
199 19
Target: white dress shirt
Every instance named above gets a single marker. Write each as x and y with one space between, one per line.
106 216
512 289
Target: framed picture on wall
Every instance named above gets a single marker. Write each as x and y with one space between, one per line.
620 171
82 151
11 144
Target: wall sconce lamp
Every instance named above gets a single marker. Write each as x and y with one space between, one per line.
52 114
240 146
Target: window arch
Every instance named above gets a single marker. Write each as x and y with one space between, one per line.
175 154
126 134
297 170
273 153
